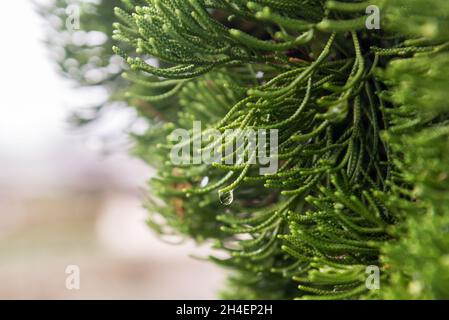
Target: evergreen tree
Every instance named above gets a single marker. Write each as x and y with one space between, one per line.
363 124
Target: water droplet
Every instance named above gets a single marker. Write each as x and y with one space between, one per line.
226 198
204 182
336 110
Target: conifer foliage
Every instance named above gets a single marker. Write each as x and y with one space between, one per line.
363 124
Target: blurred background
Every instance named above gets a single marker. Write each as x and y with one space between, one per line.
74 196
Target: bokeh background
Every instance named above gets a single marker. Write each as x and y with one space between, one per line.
74 196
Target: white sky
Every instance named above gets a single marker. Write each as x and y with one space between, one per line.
36 141
32 97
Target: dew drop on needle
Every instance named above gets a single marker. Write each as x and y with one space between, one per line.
226 198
